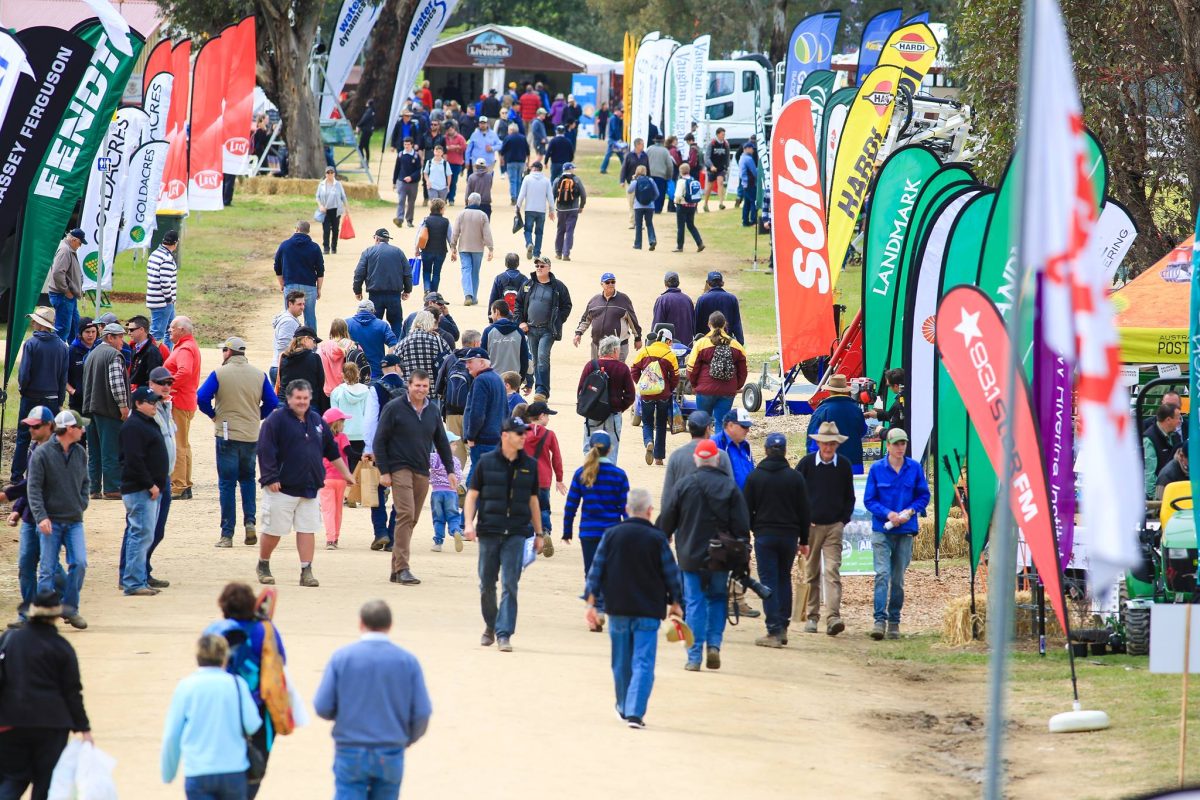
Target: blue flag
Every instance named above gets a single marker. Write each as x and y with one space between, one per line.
875 36
1193 443
809 49
922 17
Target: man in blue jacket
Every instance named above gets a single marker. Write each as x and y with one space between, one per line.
715 298
300 266
841 409
615 135
41 378
896 494
487 407
732 442
371 333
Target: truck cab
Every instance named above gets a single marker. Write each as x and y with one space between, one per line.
729 101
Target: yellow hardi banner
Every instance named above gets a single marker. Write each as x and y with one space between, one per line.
630 54
906 58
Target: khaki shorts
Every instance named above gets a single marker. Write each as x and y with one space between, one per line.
286 513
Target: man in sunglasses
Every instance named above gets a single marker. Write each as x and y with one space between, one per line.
610 313
543 305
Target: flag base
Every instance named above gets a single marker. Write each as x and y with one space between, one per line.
1077 721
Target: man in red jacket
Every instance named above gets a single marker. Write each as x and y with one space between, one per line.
621 392
184 366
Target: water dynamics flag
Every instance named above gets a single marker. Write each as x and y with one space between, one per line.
237 119
105 196
143 182
156 102
809 49
1059 206
803 283
205 173
875 34
354 24
974 346
429 18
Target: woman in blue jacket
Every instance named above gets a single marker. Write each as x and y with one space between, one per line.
599 491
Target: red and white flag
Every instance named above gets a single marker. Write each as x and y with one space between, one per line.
1059 202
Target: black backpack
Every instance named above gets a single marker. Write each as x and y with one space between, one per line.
721 366
643 190
568 192
594 402
457 388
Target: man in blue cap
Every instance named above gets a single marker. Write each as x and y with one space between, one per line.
609 313
65 285
716 298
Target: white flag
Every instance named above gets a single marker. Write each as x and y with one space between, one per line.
115 26
142 183
354 25
429 19
699 79
157 103
107 190
13 64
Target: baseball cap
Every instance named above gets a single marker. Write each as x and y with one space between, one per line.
600 439
896 435
776 441
559 129
715 278
79 234
171 237
113 329
482 118
161 375
144 394
234 343
66 419
107 317
739 416
333 415
606 277
435 297
304 330
699 421
513 425
537 408
707 449
39 415
665 335
383 233
366 305
390 360
479 162
570 165
474 352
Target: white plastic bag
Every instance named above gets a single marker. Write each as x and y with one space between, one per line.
530 553
94 775
62 782
300 716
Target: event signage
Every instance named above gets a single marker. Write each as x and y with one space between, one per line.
974 346
874 36
489 49
1052 397
64 170
157 60
205 125
429 18
1194 359
700 48
818 87
629 54
105 196
803 283
173 194
833 121
809 49
13 64
237 118
677 116
638 111
143 179
1115 231
156 102
585 88
354 24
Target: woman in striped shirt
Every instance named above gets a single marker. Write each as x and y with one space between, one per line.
599 491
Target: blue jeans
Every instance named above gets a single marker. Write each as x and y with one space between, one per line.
29 551
104 465
514 178
447 516
540 341
66 316
367 773
160 323
716 405
589 545
310 302
610 148
235 467
749 205
892 553
141 512
478 451
611 426
67 535
535 224
643 216
661 183
556 169
634 649
383 523
704 608
500 557
227 786
544 504
160 529
431 270
20 459
471 263
455 171
655 416
389 303
775 555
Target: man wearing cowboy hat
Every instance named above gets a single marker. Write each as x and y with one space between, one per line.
830 481
41 378
842 410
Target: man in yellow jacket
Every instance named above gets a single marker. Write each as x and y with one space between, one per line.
656 374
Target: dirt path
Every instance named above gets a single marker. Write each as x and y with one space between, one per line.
811 719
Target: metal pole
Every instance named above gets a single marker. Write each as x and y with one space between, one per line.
1002 552
100 249
1183 708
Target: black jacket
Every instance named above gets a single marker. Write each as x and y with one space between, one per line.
777 499
79 352
403 439
562 303
636 572
144 360
504 490
830 489
143 454
699 507
305 364
41 686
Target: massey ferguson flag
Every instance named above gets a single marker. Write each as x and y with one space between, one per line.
803 281
974 346
13 64
1059 203
205 164
237 120
354 24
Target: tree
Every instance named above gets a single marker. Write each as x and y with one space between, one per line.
286 33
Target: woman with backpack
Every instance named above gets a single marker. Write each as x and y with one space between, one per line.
688 194
300 360
433 243
656 374
599 491
436 175
716 368
645 194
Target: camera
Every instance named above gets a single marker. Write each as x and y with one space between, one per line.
749 584
727 553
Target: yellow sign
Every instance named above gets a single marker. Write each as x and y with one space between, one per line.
630 54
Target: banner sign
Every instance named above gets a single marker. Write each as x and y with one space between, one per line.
585 89
106 194
157 104
700 49
181 88
677 115
237 119
173 194
354 24
662 49
64 170
629 54
803 285
818 86
59 60
205 125
832 124
143 183
809 49
1115 232
974 346
1194 360
1052 384
875 34
429 18
638 112
157 60
13 64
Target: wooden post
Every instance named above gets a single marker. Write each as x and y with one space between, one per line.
1183 708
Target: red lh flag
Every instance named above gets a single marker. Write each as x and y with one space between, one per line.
206 129
974 346
237 121
803 281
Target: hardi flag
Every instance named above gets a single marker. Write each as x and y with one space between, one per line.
206 128
237 120
429 18
803 285
1059 202
974 346
354 24
809 49
875 34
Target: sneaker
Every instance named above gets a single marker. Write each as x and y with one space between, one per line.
458 541
225 541
406 578
877 633
810 626
488 638
721 206
251 533
658 462
141 591
635 722
306 577
783 635
547 545
893 630
699 248
264 573
558 254
116 496
410 223
529 251
652 246
713 660
469 301
617 708
75 621
397 222
504 645
379 543
649 453
565 257
836 626
437 547
331 545
155 583
770 640
692 666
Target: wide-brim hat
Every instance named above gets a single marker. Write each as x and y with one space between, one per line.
837 384
828 432
43 316
45 603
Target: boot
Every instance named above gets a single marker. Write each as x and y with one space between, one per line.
251 533
893 630
264 572
878 632
836 626
306 577
770 640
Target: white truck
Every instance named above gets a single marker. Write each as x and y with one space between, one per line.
737 93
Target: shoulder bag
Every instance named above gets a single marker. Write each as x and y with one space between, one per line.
258 761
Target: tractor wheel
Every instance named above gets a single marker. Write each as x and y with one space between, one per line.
751 397
1137 631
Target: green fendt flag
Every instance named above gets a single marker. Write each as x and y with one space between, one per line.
63 172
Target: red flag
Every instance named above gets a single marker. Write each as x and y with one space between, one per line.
803 282
159 60
974 346
238 117
181 89
172 196
205 125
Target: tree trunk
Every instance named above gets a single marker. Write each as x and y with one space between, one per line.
777 50
291 31
382 61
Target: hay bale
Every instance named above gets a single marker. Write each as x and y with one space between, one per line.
953 544
957 622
